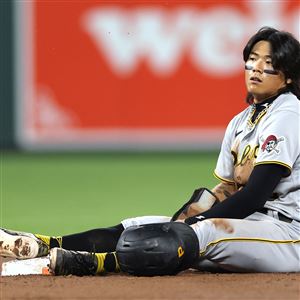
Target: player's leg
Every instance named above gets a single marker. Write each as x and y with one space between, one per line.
100 244
95 240
101 239
262 244
22 245
152 249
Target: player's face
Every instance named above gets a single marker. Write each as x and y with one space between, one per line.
262 81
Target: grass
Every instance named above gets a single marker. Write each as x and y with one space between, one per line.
64 193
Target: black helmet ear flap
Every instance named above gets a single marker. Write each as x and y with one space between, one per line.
157 249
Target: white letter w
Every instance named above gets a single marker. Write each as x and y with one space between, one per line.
152 35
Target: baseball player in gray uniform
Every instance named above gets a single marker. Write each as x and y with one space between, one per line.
250 222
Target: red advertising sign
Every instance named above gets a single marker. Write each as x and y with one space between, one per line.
135 74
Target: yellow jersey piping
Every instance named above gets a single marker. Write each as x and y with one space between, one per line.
258 118
223 179
249 240
273 162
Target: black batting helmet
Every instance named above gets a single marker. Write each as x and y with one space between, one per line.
157 249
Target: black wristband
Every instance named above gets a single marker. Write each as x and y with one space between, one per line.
195 219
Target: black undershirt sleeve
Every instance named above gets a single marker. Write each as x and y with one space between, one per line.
259 188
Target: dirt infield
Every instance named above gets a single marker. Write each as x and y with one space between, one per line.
187 285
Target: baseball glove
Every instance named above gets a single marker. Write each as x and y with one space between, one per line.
201 200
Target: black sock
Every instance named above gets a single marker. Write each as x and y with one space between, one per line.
110 264
96 240
54 242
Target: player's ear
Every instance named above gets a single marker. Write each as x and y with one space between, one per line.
289 81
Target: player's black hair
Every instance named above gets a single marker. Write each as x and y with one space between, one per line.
285 55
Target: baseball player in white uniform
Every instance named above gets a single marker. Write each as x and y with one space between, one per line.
250 222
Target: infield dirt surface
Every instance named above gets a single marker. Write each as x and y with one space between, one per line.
187 285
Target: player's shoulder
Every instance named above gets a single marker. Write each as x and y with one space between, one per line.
284 110
286 102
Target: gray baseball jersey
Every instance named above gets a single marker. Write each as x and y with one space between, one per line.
272 138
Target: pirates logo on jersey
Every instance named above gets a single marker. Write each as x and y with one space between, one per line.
270 144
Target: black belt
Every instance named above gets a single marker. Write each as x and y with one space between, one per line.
281 217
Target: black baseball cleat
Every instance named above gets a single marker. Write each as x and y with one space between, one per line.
68 262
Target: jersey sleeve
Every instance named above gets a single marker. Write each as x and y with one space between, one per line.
224 168
279 140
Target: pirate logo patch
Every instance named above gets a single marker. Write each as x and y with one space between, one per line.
270 144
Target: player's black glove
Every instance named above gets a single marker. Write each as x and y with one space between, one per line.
201 200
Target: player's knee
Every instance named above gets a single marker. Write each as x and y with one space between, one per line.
157 249
137 221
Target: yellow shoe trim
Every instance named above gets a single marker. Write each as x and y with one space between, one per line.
117 263
100 259
44 238
59 240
